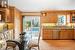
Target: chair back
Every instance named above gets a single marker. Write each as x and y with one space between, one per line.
39 38
36 37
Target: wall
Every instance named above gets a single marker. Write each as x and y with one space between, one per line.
17 23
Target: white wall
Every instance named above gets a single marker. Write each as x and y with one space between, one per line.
37 5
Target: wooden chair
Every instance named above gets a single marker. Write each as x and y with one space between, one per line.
34 43
14 43
11 44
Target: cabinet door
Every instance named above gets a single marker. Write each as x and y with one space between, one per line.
72 18
74 34
49 18
66 34
47 34
2 16
71 33
9 15
55 34
52 18
63 34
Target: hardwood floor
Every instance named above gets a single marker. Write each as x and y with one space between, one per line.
57 45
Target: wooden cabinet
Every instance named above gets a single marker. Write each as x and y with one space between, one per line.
55 34
47 34
10 15
3 14
49 18
72 17
6 15
66 34
63 34
52 17
74 33
50 34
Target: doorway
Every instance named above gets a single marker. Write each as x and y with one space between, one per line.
31 25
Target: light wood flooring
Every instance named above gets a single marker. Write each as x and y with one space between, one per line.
57 45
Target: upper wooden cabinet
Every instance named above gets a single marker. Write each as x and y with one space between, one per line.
10 17
6 15
52 17
72 17
3 14
49 18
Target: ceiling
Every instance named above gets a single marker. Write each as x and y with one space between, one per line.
39 5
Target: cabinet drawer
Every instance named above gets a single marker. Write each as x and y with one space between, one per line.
47 37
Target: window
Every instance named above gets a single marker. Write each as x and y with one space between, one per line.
61 20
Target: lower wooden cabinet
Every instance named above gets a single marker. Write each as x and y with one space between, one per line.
47 34
66 34
55 34
63 34
74 33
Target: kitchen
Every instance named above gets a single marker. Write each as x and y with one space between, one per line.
55 24
60 23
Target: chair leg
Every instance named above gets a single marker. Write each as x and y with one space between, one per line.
38 48
6 48
30 48
14 48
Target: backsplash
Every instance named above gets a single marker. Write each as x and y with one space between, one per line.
54 24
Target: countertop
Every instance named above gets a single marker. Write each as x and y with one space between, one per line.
58 27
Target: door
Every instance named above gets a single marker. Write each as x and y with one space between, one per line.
31 25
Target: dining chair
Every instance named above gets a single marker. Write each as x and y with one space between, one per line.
11 44
34 42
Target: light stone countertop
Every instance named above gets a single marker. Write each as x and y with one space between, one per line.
58 27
